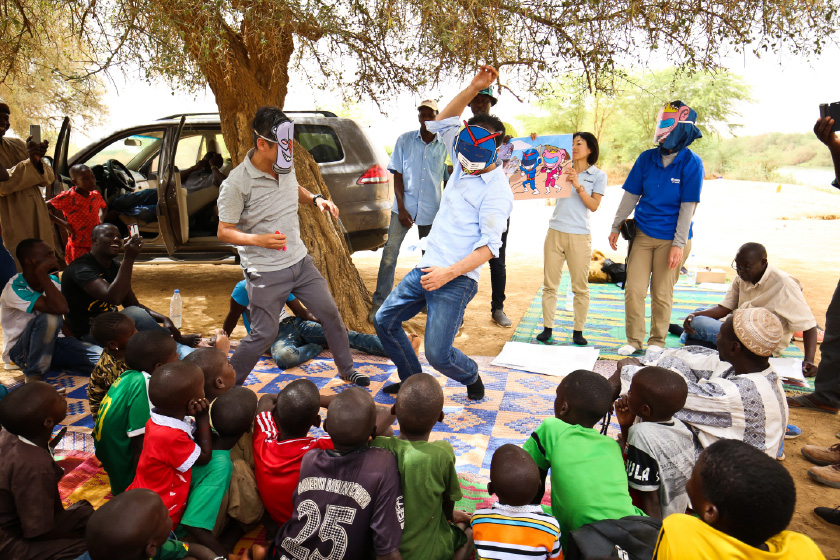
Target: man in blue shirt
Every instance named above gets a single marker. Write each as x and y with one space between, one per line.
418 164
467 233
300 337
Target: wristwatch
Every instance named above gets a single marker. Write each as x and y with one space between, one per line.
315 199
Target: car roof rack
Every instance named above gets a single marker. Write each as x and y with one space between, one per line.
328 114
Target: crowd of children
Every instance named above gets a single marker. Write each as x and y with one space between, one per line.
169 433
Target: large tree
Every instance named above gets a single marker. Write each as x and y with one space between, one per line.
244 51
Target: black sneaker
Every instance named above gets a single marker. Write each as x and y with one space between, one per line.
675 329
359 379
830 515
475 391
392 389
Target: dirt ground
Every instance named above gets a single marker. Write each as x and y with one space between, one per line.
795 225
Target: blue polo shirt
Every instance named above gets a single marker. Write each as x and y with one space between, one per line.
663 189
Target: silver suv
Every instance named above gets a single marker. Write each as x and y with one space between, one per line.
182 223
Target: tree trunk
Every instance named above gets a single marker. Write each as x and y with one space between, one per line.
238 96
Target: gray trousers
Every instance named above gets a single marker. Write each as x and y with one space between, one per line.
267 293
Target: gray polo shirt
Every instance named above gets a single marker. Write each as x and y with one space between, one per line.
259 203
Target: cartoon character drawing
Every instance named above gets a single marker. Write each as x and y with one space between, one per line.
553 160
528 167
667 120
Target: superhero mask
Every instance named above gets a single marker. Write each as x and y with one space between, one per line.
530 158
475 148
553 157
675 127
284 134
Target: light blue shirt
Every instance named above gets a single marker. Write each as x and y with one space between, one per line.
571 215
473 211
422 166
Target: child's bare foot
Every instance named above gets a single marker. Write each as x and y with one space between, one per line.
221 341
257 552
415 342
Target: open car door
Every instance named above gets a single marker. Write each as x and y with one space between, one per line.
62 180
174 224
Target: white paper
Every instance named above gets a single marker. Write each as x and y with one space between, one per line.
788 368
557 361
713 287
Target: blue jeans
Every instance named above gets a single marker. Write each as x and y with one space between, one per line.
385 278
40 349
299 341
706 330
144 322
445 313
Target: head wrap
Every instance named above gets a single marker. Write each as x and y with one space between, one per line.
675 126
758 329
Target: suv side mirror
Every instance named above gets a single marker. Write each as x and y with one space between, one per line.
132 142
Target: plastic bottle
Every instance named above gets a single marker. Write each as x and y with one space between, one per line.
176 309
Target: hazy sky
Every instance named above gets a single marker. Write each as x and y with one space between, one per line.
787 92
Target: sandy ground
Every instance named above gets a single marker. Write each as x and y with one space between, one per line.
732 212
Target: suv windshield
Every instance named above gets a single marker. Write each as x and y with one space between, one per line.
132 151
320 141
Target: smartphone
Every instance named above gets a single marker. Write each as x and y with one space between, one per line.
831 110
35 133
133 230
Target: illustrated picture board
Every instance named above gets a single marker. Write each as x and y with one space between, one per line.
537 168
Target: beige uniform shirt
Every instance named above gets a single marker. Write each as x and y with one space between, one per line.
23 211
776 291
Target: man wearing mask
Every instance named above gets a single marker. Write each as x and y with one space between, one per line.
467 233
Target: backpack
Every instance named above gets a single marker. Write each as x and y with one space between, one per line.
629 538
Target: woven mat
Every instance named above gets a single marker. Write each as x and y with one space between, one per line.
515 403
605 322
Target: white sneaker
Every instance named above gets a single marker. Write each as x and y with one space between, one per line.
11 366
654 350
626 350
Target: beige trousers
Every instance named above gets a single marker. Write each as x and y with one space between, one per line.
648 266
575 250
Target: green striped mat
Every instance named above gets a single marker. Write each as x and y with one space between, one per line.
605 323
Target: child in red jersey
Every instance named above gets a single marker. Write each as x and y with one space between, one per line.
169 450
83 208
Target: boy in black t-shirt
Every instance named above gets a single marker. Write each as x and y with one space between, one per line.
351 493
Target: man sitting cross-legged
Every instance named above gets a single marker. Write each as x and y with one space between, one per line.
31 307
300 337
96 282
733 393
758 284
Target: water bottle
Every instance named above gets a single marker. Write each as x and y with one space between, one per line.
176 309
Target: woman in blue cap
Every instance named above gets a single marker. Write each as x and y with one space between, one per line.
663 188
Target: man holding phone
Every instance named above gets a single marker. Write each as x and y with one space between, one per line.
23 211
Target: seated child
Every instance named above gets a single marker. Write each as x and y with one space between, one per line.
111 331
176 390
119 428
743 500
351 493
512 528
280 442
588 480
231 415
141 533
83 207
219 375
660 448
34 525
427 475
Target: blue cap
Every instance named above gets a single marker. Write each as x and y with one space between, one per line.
177 291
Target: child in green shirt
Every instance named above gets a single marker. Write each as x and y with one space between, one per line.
588 480
121 423
433 529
